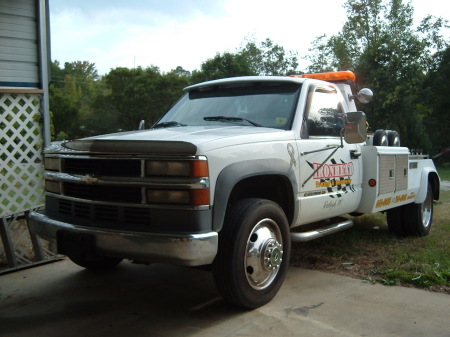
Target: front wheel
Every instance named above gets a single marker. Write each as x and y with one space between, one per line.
253 254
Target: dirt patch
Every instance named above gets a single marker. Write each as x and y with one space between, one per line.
326 259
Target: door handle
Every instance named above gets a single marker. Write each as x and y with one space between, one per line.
354 154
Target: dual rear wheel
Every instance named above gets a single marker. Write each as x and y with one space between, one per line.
412 219
386 138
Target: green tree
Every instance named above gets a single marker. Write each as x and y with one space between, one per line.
437 120
182 73
170 89
269 58
72 91
143 94
388 54
64 113
222 66
103 119
252 58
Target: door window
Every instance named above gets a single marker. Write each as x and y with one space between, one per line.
323 115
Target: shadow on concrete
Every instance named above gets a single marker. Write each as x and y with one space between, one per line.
62 299
131 300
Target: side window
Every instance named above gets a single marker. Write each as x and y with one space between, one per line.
323 113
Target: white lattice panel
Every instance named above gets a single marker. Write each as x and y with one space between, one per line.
21 171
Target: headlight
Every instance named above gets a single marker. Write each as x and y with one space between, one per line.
52 186
195 197
52 164
168 197
168 168
179 168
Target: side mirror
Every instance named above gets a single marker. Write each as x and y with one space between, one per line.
365 95
355 127
141 125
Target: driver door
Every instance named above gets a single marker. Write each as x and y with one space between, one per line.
330 174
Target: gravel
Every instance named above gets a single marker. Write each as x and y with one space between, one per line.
445 185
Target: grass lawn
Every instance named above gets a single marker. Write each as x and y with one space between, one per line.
370 252
444 172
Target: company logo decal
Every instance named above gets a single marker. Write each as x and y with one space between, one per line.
328 171
335 177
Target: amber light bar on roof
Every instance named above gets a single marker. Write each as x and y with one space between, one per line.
331 76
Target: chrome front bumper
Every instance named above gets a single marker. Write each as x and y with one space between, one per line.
185 250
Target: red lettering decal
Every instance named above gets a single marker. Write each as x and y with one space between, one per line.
328 171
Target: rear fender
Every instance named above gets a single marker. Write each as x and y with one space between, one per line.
428 176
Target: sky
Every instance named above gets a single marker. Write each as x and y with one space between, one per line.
171 33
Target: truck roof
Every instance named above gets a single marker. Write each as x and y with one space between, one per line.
334 77
245 79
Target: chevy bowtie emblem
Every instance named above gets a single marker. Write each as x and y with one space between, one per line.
89 179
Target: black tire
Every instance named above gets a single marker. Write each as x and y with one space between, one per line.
396 221
393 138
98 264
380 138
420 216
253 254
412 219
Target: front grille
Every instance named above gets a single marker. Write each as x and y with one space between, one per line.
126 194
103 214
83 210
103 167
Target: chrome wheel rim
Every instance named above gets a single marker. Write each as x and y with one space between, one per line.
426 210
263 254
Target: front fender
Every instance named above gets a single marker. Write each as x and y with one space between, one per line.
236 172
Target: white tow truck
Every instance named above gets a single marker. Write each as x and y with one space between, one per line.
228 177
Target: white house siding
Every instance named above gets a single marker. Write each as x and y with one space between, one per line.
19 44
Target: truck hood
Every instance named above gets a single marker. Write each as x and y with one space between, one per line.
186 140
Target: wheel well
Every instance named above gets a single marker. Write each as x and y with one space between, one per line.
272 187
433 180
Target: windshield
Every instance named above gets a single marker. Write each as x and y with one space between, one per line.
266 104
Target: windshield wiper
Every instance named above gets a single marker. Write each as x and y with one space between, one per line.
230 119
167 124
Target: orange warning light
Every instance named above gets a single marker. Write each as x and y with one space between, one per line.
331 76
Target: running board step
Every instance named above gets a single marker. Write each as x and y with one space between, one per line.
337 224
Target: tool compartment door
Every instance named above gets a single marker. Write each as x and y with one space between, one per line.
388 168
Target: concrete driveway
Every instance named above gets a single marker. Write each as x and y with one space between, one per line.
61 299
